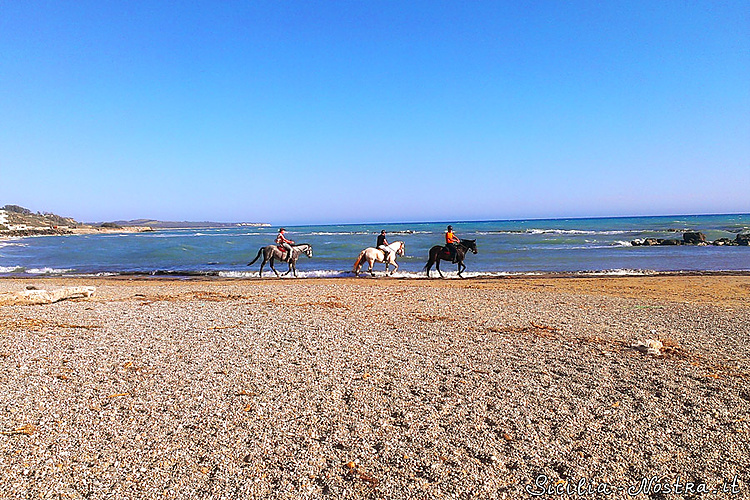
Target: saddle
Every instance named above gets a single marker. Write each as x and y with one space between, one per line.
447 253
282 250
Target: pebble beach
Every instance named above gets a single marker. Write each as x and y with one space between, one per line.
377 388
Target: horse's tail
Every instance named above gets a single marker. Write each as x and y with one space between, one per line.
360 260
256 257
430 262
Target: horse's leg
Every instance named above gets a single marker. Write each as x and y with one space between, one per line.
395 267
461 268
437 266
263 263
274 269
371 264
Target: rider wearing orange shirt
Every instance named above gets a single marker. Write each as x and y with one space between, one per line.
450 243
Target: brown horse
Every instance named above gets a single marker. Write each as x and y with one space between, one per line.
439 252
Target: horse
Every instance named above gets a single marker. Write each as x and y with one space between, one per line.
372 255
272 252
439 252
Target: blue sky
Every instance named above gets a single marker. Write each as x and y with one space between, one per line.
316 112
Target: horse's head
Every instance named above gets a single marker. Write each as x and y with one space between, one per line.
470 245
401 248
308 250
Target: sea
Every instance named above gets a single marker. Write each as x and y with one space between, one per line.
582 246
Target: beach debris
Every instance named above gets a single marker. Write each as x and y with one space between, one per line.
353 470
35 296
26 430
649 346
119 394
544 327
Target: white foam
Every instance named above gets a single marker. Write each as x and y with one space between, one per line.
16 269
345 233
47 270
13 243
322 273
349 233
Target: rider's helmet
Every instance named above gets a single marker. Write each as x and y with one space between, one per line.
450 228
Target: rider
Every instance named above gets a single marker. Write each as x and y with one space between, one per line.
450 243
285 243
383 245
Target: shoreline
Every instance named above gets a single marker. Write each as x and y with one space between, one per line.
721 288
348 275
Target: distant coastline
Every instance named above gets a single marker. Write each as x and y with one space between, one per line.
158 224
57 231
20 222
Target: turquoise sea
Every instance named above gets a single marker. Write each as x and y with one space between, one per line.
595 245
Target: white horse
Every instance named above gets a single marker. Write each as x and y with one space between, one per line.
372 255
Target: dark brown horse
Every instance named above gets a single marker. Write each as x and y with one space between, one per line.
439 252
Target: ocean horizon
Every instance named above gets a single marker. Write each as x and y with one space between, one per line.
594 245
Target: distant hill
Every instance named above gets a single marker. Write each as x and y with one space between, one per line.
160 224
16 217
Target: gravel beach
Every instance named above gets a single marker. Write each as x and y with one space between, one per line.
377 388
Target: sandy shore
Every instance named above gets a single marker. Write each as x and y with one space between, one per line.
377 388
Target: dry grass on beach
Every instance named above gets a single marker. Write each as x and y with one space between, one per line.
375 388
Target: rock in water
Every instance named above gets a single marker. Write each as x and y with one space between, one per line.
693 237
723 242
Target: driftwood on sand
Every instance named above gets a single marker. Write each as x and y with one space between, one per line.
34 296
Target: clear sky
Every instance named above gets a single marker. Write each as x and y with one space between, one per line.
374 111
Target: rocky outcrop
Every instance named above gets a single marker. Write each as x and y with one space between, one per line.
20 233
693 238
670 242
723 242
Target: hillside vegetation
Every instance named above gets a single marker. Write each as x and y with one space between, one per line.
16 216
